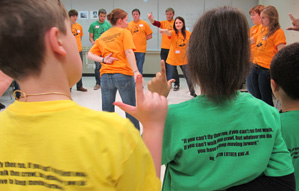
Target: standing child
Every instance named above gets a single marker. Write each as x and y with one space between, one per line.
77 31
47 141
284 72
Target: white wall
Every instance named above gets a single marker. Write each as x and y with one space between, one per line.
284 8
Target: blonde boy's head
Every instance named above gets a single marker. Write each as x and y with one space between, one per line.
23 25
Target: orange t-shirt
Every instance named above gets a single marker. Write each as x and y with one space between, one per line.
78 33
139 31
177 53
253 31
165 43
266 48
115 40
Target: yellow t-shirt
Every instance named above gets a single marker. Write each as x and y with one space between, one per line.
139 32
59 145
166 42
266 48
115 40
253 31
78 33
177 53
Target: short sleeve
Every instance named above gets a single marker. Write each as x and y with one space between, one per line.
148 29
95 49
280 163
90 29
128 40
279 38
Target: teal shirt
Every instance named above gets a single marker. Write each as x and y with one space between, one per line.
290 132
98 28
214 147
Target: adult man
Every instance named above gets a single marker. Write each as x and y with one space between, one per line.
166 42
96 29
78 33
141 32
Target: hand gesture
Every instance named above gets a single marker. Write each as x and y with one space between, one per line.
151 107
295 23
159 83
108 59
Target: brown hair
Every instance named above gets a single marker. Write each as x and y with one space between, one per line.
218 55
170 9
271 12
103 11
257 9
73 12
23 25
116 14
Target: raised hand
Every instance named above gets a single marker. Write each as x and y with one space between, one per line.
159 84
295 23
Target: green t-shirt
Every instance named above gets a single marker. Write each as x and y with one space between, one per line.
214 147
98 28
290 132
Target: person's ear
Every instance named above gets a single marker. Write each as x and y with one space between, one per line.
56 41
274 86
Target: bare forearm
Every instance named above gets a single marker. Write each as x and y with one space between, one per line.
94 57
131 58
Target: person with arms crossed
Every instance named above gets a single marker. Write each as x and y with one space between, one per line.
78 33
47 141
268 42
96 29
141 32
255 15
165 44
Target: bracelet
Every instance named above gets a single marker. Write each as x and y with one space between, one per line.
103 60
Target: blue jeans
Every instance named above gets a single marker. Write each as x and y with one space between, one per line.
170 75
258 84
139 56
80 84
184 68
126 87
97 72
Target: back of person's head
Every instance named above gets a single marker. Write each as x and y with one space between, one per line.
103 11
73 12
169 9
284 70
272 13
23 25
256 9
218 54
136 10
116 14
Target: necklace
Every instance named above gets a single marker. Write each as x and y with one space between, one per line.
24 95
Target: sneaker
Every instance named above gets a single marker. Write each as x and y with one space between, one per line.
82 89
97 86
176 87
2 106
193 94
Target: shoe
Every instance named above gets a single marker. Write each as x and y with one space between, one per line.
82 89
193 94
176 88
97 86
2 106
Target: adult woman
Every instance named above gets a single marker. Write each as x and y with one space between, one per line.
177 53
268 42
118 62
206 137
